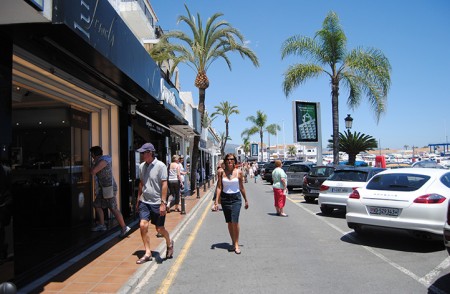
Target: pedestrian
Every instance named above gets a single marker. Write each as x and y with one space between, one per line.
105 190
183 173
174 184
230 189
220 167
279 186
151 205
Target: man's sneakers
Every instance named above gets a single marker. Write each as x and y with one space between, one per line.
124 232
98 228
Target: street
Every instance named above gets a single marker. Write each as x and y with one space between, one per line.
302 253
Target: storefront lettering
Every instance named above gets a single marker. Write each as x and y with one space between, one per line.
169 96
88 17
154 127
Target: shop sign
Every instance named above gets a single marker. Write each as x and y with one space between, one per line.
154 127
172 99
101 27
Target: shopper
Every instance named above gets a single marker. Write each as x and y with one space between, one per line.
279 186
220 167
151 205
230 189
174 184
105 190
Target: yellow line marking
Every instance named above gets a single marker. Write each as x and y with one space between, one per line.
170 277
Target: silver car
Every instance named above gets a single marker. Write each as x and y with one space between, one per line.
295 173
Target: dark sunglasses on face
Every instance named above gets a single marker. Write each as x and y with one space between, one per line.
145 152
228 159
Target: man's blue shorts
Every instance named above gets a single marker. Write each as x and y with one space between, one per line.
150 212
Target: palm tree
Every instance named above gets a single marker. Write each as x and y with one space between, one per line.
225 109
207 44
292 151
246 146
259 122
271 129
362 71
223 142
353 144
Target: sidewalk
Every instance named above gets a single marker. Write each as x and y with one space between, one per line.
108 268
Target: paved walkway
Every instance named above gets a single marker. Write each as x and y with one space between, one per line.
109 267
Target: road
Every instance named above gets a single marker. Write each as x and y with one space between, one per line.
305 252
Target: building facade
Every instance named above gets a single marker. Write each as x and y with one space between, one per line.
74 75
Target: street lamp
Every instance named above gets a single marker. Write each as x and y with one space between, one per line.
348 122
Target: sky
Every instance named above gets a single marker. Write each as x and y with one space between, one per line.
413 34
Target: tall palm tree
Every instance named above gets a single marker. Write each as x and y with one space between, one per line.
355 143
223 143
207 44
246 145
271 129
259 122
362 71
225 109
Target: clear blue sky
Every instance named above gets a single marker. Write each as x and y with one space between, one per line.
413 34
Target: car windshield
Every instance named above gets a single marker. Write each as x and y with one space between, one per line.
322 171
349 176
397 182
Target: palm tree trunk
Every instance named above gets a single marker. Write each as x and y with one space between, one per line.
195 149
261 134
335 114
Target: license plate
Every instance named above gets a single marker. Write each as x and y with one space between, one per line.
314 191
340 190
384 211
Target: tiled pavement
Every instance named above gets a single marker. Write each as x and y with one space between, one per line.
107 268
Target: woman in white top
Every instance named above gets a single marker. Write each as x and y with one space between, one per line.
174 183
230 188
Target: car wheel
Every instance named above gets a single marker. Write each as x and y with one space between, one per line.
326 210
309 199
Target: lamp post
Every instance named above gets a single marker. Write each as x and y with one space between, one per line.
348 122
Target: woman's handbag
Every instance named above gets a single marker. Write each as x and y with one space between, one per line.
108 192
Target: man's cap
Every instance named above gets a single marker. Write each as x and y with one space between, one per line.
146 147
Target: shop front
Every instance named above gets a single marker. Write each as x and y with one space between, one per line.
66 88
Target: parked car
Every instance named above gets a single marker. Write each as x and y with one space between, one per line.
409 199
447 230
335 190
287 163
313 180
260 167
268 169
295 174
427 163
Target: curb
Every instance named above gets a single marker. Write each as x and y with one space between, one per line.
134 280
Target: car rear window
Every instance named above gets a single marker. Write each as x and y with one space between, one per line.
321 171
349 176
397 182
298 168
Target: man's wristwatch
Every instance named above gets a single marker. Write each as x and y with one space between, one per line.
163 202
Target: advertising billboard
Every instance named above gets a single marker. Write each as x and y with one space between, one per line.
306 121
254 150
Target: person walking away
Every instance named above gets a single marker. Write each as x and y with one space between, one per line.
101 170
220 167
174 183
279 186
230 189
151 205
